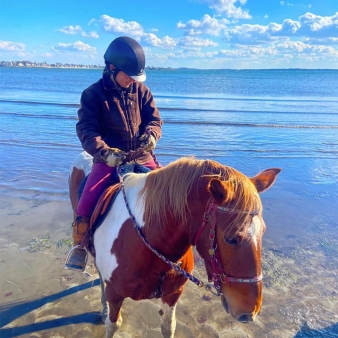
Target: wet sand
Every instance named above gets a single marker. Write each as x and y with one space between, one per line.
39 298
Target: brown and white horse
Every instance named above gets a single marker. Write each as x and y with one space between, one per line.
143 248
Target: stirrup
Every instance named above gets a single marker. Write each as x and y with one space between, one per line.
76 267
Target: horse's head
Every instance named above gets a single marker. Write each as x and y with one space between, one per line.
230 239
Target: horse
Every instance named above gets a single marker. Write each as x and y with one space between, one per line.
143 248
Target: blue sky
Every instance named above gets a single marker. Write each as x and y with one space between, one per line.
175 33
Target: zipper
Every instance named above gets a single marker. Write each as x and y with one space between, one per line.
124 98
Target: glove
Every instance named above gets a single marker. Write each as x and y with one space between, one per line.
148 142
113 157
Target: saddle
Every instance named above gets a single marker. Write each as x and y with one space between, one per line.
106 200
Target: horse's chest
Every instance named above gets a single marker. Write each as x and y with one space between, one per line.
158 292
158 286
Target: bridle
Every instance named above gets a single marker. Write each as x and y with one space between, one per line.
218 276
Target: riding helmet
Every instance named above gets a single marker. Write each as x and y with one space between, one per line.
127 55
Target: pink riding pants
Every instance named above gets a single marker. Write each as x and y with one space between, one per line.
97 181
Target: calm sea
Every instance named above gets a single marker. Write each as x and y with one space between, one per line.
248 119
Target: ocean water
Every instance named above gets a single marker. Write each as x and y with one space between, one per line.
249 119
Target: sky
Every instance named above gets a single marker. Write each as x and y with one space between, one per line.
206 34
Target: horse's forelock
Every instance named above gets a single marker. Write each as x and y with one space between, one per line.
246 199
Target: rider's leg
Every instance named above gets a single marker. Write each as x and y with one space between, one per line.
97 181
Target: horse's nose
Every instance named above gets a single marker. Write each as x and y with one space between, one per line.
246 318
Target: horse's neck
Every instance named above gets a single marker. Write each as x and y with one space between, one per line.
168 237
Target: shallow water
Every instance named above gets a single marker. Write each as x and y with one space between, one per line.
251 120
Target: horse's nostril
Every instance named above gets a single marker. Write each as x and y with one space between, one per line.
245 318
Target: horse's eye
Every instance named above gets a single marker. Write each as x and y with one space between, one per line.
231 240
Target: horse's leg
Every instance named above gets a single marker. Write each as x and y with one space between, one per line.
114 319
104 312
168 316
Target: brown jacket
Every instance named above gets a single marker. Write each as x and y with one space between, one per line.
112 117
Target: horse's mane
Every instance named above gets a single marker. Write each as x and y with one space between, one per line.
167 189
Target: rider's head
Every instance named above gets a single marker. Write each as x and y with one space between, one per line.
126 55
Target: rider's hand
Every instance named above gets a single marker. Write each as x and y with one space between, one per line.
113 157
148 142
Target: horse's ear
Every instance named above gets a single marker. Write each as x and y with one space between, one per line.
221 191
265 179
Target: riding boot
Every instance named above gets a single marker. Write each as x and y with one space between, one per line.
77 257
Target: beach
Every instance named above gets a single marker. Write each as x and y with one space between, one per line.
236 126
39 298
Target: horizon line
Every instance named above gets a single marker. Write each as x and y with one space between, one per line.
93 66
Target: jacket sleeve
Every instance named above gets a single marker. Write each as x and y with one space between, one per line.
87 128
150 115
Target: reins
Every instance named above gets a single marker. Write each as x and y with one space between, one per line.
218 276
175 266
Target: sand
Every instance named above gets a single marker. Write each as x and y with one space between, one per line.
39 298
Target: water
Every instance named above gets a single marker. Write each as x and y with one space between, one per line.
248 119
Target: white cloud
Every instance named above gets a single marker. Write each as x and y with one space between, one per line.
324 41
152 40
251 34
283 3
318 26
229 8
90 35
308 26
303 48
25 54
207 25
78 30
71 29
115 25
288 49
187 42
78 46
47 55
252 52
194 42
11 46
266 16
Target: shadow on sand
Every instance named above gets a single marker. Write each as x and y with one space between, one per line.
12 311
326 332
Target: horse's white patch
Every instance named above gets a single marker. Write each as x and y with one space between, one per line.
111 328
254 229
83 161
168 319
107 233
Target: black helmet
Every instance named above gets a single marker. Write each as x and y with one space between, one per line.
127 55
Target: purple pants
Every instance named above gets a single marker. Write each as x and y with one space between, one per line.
97 181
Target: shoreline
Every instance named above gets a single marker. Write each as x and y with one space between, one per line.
150 68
